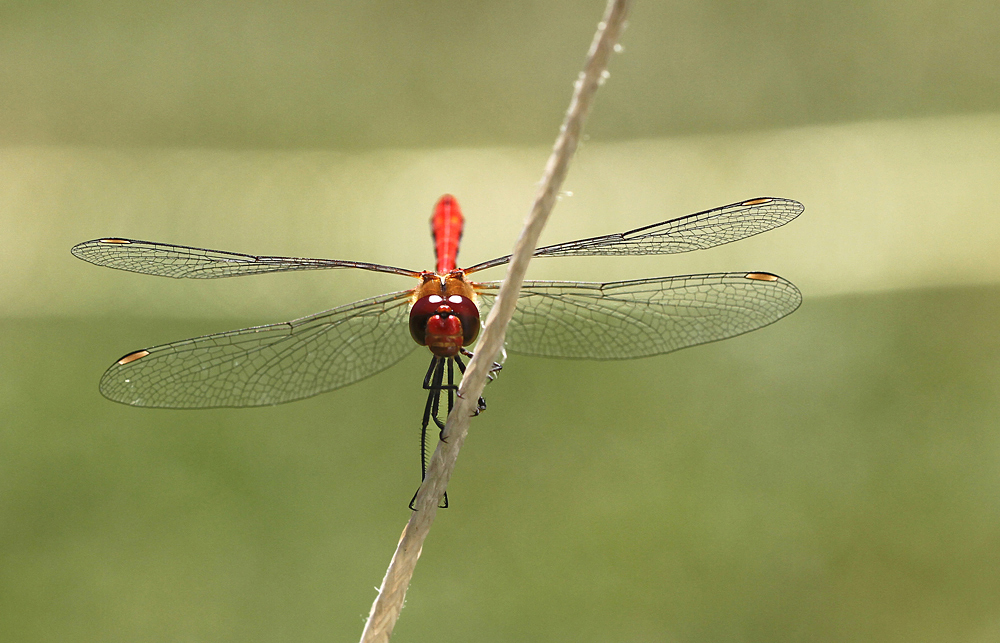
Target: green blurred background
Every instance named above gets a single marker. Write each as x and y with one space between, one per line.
833 477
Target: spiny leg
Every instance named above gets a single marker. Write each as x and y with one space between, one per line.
438 385
432 384
481 406
436 393
495 369
451 404
430 372
433 403
433 372
451 385
423 428
451 393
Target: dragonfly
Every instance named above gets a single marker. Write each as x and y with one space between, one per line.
443 310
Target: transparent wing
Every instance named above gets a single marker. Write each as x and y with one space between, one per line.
626 319
168 260
692 232
267 364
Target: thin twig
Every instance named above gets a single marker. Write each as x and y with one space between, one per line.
389 602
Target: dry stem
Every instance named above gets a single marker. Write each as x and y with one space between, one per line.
389 602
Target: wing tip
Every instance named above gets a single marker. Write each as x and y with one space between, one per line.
84 249
761 276
761 200
78 250
771 279
131 357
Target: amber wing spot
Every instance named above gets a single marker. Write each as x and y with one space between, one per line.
131 357
757 201
762 276
119 241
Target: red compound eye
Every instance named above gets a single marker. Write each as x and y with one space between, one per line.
420 314
468 314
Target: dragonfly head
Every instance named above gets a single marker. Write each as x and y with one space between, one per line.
444 325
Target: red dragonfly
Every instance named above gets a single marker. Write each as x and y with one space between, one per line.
279 363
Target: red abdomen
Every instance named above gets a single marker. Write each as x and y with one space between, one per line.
446 226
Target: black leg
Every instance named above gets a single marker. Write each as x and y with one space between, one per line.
451 384
431 396
451 393
430 373
433 385
438 376
494 370
423 430
481 406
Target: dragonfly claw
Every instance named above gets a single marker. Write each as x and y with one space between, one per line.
494 369
442 505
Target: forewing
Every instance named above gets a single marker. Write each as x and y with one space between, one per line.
267 364
627 319
692 232
166 260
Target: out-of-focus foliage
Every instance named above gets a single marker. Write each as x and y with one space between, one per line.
316 74
829 478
